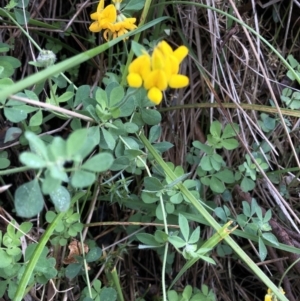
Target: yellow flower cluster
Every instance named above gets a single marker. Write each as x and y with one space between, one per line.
111 20
158 71
270 296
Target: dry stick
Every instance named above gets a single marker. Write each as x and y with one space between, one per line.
50 107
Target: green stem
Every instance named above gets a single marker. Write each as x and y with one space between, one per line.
14 170
35 257
226 105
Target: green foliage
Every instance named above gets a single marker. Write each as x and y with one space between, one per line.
192 294
11 254
68 227
217 139
248 171
99 293
50 160
258 226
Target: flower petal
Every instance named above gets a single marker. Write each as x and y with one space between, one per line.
94 27
134 80
158 79
100 6
108 15
155 95
180 53
178 81
141 65
157 59
165 48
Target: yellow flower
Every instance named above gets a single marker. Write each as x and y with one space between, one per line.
270 296
104 18
111 20
159 71
122 27
138 70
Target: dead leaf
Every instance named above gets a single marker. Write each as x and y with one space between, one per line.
75 250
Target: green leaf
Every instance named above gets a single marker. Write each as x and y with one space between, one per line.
187 292
177 241
135 5
19 14
120 163
247 184
94 254
109 139
154 133
161 236
65 96
246 209
220 213
216 185
206 148
15 114
32 160
215 128
163 146
36 119
99 163
82 179
147 239
57 150
184 226
116 95
75 142
205 163
225 176
131 127
153 184
6 260
230 144
108 294
268 216
61 198
50 216
262 249
73 270
28 199
101 98
176 198
293 62
5 83
150 117
229 132
3 288
3 46
82 93
25 227
58 174
195 236
216 165
4 163
137 48
271 238
172 295
37 145
149 198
